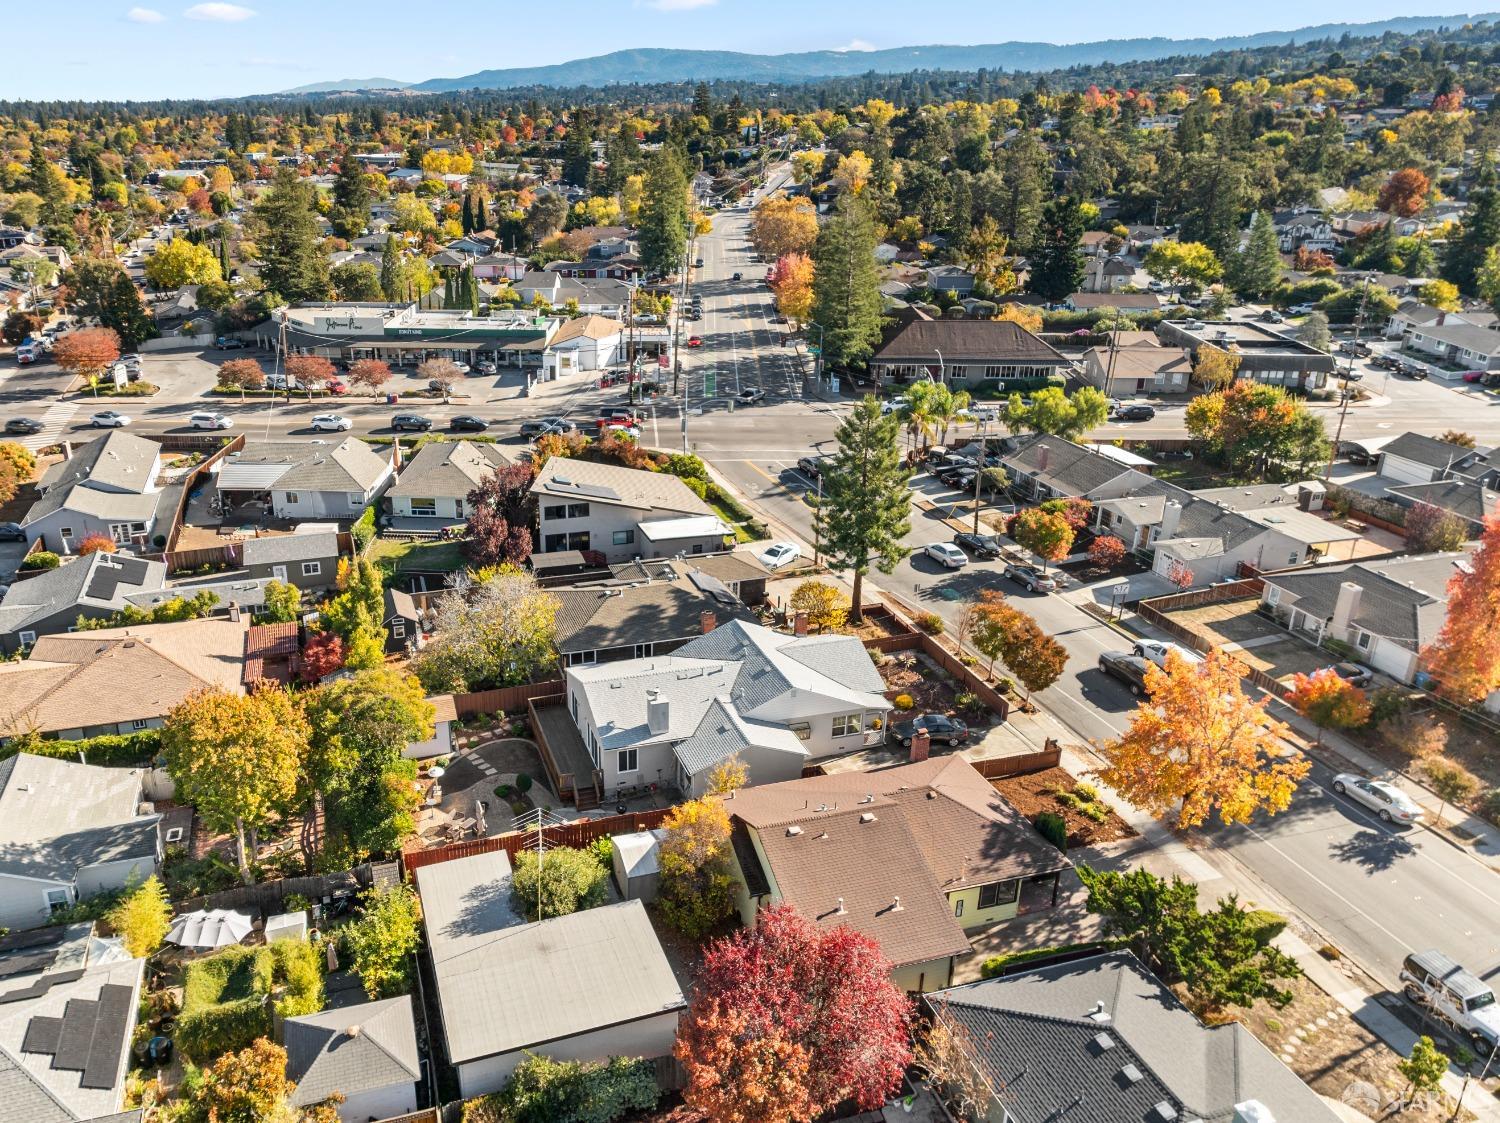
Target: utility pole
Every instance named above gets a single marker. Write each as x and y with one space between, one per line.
1359 320
978 470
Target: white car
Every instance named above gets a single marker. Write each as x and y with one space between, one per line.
892 405
462 368
946 553
780 554
1386 800
331 423
210 421
488 366
109 419
1156 650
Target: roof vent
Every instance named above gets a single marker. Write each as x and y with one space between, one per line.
841 910
1130 1074
1164 1111
352 1031
1099 1013
867 817
1103 1042
870 798
793 830
896 905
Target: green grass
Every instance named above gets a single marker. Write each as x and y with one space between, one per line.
740 533
225 977
394 555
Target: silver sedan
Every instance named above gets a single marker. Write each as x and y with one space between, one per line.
1386 800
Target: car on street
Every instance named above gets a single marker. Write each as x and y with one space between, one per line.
1419 373
334 386
1128 668
780 554
946 554
1271 316
413 421
23 425
109 419
1137 412
983 546
749 396
210 421
811 465
738 277
12 532
1029 577
1474 375
943 730
1386 800
1300 309
544 425
229 343
468 423
892 405
694 341
1436 983
959 476
1356 674
331 423
1156 650
488 366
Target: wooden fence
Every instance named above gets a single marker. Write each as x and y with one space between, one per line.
269 897
1213 594
181 443
230 555
576 834
505 698
1149 611
996 768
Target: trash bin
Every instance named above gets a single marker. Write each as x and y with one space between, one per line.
391 399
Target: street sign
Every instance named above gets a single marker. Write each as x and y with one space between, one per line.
710 384
813 349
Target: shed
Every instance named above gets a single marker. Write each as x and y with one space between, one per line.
286 926
637 868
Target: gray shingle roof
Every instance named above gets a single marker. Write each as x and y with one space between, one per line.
113 474
595 618
98 580
323 1057
1063 466
448 469
1403 599
57 817
278 548
1464 498
722 733
585 480
350 465
1430 451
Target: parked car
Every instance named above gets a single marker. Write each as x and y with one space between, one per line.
229 343
1271 316
780 554
811 465
984 546
698 262
694 341
1356 673
1435 982
1156 650
738 277
461 367
946 554
1127 667
109 419
545 425
892 405
1386 800
1300 309
1474 375
210 421
411 421
12 532
1136 412
749 396
23 425
960 478
331 423
1032 578
943 730
468 423
488 366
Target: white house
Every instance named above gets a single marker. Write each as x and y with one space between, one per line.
776 701
1457 347
621 513
366 1053
300 480
109 487
435 484
585 344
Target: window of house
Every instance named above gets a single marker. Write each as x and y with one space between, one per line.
555 542
1294 558
577 540
57 899
846 725
552 511
697 547
1000 893
424 508
582 659
628 761
1362 641
174 834
28 639
65 531
311 569
356 500
398 630
291 497
578 510
573 705
623 537
958 907
642 651
802 729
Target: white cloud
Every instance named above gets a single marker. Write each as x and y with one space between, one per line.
679 5
219 12
144 15
856 45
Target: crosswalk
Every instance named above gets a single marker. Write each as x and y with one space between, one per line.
54 421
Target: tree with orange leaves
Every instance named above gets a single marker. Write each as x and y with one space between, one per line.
791 279
1201 747
1405 193
1328 701
1465 657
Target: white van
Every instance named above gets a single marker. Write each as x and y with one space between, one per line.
210 421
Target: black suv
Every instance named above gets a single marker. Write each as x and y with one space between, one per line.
1129 669
548 425
941 728
984 546
1136 413
23 425
811 466
411 421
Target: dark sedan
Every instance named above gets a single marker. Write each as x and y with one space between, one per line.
1129 669
23 425
942 729
468 423
12 532
985 546
411 421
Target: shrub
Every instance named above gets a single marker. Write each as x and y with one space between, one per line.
1490 808
363 529
566 880
1094 812
382 941
96 544
996 965
299 967
1086 791
1264 925
224 1006
968 701
603 851
113 750
1054 828
544 1090
904 702
931 623
41 559
142 918
523 783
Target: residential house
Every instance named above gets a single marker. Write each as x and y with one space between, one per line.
1265 356
1414 458
176 309
108 487
1047 467
587 986
916 857
1452 349
1108 275
302 480
954 280
599 296
777 701
1095 299
444 718
434 487
366 1054
402 622
587 343
1137 363
500 267
66 1031
621 513
1140 238
1413 315
308 560
1351 224
1387 610
94 587
70 832
1099 243
1302 228
739 571
1130 1049
118 680
1470 500
972 354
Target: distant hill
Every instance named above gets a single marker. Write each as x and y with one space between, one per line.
650 64
349 85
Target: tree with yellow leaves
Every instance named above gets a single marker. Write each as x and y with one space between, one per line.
791 279
697 887
852 172
879 113
1028 316
783 226
1201 747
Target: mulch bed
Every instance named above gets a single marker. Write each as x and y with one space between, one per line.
1035 792
906 673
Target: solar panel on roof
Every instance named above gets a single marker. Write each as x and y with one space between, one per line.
77 1034
111 1027
40 986
41 1035
27 963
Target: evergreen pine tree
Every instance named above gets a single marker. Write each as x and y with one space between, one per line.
466 214
351 198
392 270
664 213
1057 261
846 285
293 264
1479 231
472 287
1256 267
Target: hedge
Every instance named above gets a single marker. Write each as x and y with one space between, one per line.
996 965
363 529
116 750
215 1022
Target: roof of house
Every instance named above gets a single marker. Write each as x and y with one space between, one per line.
1402 599
916 832
448 469
98 580
505 984
1422 449
277 548
596 618
1063 466
352 1049
399 603
1467 499
1141 360
1040 1043
82 679
1126 301
350 465
592 482
688 526
587 327
57 817
45 1075
728 568
1470 337
965 341
118 460
271 652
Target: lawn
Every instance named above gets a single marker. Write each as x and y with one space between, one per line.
395 555
224 1005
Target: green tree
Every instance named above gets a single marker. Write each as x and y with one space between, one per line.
1477 235
846 286
100 287
1056 257
283 602
543 1090
351 198
562 881
1254 270
355 281
1313 331
1053 411
499 631
383 940
142 917
1424 1067
181 262
697 882
293 264
249 1086
1018 205
1191 264
1213 200
393 276
866 508
664 213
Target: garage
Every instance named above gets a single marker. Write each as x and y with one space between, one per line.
1400 470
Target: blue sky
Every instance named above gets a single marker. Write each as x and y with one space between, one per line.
109 49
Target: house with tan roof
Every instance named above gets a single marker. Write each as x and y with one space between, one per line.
915 857
586 343
621 513
1135 362
118 680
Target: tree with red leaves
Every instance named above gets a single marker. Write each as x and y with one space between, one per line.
1312 261
370 373
1106 551
1465 657
323 654
790 1019
499 528
1180 574
1405 193
88 352
309 370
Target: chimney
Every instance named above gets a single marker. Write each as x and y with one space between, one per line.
799 624
1441 317
1170 516
234 613
1345 608
1253 1111
921 745
1041 459
656 712
708 620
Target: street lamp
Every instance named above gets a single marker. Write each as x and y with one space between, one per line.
941 373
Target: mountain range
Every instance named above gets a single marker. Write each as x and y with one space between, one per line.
652 64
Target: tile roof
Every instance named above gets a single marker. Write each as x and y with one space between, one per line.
1402 599
350 465
57 816
448 469
563 478
352 1049
966 341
